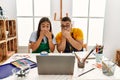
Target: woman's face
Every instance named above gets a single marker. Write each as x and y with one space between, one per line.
45 26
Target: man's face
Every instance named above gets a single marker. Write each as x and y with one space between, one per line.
66 25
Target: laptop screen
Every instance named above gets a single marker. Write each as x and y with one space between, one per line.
55 65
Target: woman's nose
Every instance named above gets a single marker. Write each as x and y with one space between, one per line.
45 29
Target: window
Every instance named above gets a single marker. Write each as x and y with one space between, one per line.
24 8
95 31
82 24
80 8
97 8
23 33
29 13
86 14
89 16
42 7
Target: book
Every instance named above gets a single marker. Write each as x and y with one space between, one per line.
6 69
23 63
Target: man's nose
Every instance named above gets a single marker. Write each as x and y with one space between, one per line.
65 28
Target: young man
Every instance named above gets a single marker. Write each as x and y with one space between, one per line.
69 39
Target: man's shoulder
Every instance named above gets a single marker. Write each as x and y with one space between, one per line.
76 30
59 34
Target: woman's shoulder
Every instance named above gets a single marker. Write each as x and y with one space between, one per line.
33 36
34 33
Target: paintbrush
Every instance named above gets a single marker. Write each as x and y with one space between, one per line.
81 63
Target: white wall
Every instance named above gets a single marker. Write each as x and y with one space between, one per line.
9 7
112 28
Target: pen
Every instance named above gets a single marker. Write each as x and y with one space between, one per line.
86 72
100 51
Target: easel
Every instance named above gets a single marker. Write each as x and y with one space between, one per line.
55 14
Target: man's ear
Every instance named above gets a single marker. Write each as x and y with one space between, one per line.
71 25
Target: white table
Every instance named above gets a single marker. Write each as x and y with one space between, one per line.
95 74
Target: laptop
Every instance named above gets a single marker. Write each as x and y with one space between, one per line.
55 64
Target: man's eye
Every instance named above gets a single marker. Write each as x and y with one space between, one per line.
63 26
67 25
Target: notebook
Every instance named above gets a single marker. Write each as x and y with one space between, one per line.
21 63
6 69
55 64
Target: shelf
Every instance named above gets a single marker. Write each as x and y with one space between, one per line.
12 45
8 38
11 28
2 30
2 41
10 53
3 51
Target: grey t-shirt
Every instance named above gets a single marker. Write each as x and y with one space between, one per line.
33 38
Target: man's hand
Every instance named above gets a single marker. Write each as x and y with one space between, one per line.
66 34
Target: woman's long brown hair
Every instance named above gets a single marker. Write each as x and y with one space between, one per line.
44 19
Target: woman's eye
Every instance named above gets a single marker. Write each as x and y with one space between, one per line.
43 26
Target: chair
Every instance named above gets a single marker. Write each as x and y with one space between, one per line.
29 49
118 57
85 47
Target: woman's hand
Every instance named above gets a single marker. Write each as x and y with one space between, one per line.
42 34
48 34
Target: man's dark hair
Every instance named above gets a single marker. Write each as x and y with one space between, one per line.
66 19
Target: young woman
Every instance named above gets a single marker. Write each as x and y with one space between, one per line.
43 39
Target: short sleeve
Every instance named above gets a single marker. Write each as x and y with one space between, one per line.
58 37
33 37
78 34
54 41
